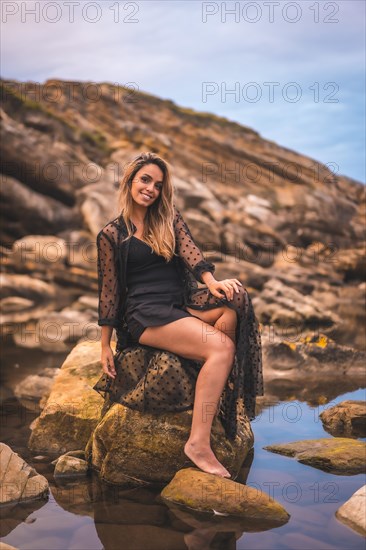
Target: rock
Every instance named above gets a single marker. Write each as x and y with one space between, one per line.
279 304
35 387
18 481
347 419
86 303
40 295
76 454
73 408
210 493
123 451
97 203
353 512
206 233
310 358
35 211
60 331
81 249
45 250
70 466
49 162
351 263
340 456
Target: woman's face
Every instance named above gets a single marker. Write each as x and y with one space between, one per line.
147 184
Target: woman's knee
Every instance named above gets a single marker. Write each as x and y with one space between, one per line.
221 345
240 298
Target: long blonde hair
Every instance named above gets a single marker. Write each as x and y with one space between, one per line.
158 223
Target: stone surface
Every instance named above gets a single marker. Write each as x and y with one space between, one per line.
341 456
132 447
210 493
40 297
73 408
353 512
35 388
70 466
18 481
347 419
255 211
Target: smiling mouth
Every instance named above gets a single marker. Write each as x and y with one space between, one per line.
146 196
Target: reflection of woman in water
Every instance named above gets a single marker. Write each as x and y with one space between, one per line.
214 324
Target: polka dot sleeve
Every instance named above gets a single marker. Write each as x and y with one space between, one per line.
108 283
188 249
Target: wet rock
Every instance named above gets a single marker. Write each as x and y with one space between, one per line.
340 456
347 419
70 466
353 512
210 493
73 408
18 481
141 459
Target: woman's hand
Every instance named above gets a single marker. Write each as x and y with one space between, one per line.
108 362
227 285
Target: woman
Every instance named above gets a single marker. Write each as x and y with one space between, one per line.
148 265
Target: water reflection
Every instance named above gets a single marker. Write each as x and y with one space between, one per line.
140 518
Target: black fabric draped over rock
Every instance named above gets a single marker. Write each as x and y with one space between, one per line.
134 384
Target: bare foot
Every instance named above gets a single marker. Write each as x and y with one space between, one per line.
204 458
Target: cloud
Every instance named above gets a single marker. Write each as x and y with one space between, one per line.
170 51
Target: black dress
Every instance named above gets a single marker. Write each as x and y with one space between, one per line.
165 382
155 290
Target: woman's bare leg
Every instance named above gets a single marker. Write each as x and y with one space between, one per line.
195 339
223 318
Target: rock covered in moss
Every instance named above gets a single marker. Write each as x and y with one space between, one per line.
340 455
73 408
128 446
211 493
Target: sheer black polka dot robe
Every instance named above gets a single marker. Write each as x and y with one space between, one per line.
138 288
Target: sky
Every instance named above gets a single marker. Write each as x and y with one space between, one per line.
292 71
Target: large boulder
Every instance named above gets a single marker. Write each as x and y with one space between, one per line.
128 446
73 408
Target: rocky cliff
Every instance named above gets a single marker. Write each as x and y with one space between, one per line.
261 212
